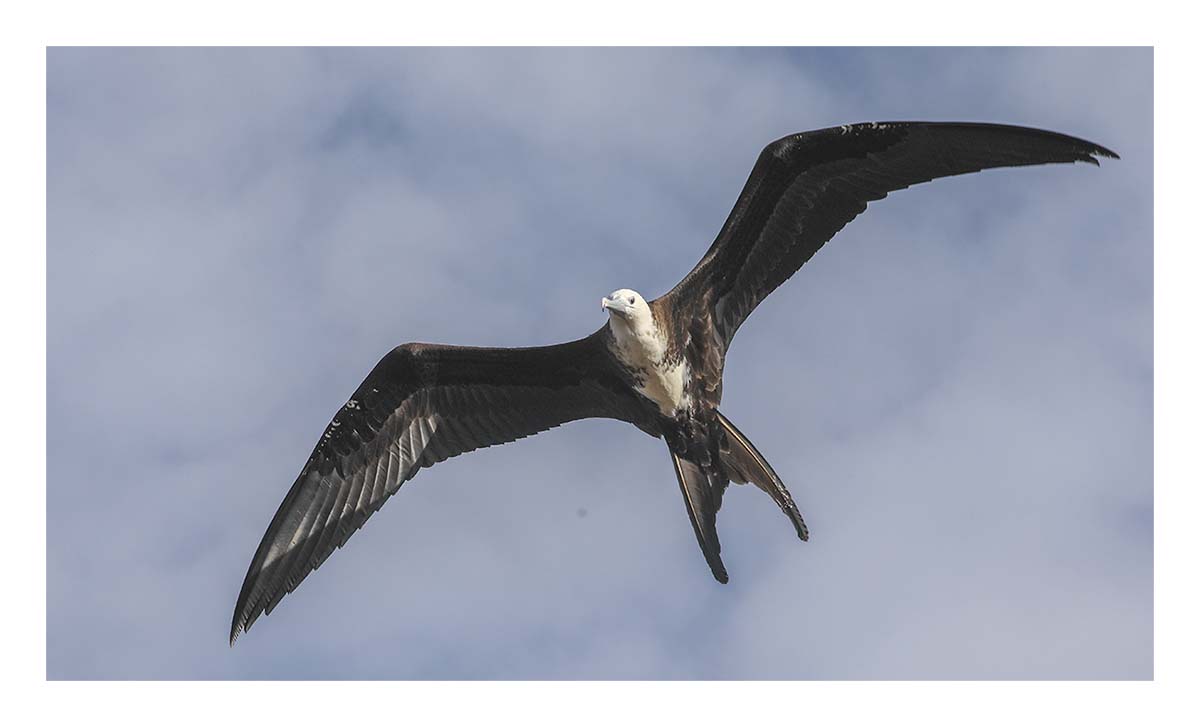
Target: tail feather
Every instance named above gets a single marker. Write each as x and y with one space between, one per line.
702 493
705 470
744 463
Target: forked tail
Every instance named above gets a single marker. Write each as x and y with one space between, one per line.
703 486
745 464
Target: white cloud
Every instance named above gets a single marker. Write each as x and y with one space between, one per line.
957 388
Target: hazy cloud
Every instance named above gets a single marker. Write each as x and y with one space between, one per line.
957 389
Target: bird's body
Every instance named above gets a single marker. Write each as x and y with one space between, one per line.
655 364
648 351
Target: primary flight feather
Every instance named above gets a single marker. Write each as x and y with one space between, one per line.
655 364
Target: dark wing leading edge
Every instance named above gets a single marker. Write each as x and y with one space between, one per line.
421 404
805 187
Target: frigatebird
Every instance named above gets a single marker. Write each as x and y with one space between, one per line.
655 364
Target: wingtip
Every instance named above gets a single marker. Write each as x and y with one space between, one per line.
798 521
237 629
1095 152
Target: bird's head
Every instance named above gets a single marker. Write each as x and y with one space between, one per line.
627 308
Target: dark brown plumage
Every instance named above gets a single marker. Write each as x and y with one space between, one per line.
422 403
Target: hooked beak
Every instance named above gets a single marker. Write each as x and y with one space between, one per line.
615 306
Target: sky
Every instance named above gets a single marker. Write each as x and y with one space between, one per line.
957 389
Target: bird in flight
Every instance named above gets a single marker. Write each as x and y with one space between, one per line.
656 364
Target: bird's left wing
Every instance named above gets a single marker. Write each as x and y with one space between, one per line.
805 187
421 404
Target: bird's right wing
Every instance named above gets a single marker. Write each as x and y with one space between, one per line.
420 405
805 187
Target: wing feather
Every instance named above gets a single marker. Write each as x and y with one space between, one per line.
806 187
420 405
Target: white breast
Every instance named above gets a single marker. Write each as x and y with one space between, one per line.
644 351
665 387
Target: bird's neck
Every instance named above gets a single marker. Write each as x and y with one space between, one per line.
639 346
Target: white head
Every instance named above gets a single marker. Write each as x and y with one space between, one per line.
627 309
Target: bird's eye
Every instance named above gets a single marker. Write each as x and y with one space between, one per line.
631 301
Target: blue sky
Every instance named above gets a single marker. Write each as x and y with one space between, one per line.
957 390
